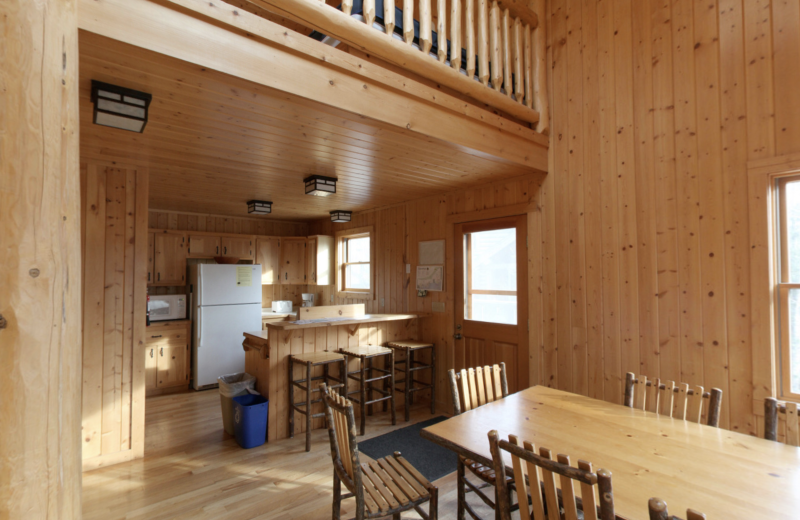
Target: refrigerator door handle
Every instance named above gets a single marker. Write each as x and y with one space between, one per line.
199 326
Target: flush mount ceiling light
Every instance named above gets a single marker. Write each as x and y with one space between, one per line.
120 107
320 186
340 215
259 207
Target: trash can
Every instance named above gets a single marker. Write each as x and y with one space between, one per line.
229 387
250 420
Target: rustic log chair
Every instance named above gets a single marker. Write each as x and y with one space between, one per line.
478 386
385 487
674 400
546 501
791 425
658 511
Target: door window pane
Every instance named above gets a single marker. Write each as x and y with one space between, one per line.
491 276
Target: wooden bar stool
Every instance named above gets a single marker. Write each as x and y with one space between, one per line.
411 365
364 375
309 360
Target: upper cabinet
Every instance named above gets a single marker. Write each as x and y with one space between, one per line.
238 247
319 260
203 246
293 260
169 260
268 255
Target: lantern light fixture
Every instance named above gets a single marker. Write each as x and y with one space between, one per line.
320 186
120 107
340 215
259 207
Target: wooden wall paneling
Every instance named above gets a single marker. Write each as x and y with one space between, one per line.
626 185
174 220
646 245
707 66
786 56
666 222
592 208
611 346
688 192
759 79
737 228
561 204
535 291
576 196
139 301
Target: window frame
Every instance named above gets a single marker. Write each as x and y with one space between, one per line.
782 289
341 265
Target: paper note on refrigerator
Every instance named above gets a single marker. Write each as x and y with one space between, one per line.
244 276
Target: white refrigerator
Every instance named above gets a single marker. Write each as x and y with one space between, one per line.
226 302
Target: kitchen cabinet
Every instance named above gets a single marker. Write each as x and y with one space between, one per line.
151 253
235 247
203 246
169 259
268 255
293 260
319 260
167 356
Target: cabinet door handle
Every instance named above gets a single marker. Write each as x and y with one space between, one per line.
286 276
162 351
151 353
157 336
159 277
225 250
217 249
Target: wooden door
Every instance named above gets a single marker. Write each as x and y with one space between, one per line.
311 261
241 248
203 246
293 261
172 365
150 367
491 279
268 255
170 258
151 253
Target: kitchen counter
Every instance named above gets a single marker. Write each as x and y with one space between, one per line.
335 322
270 314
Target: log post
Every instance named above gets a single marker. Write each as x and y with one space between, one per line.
40 264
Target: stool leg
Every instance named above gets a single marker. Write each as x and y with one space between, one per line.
391 360
407 385
308 406
343 375
433 380
411 364
291 399
370 375
326 380
363 395
386 384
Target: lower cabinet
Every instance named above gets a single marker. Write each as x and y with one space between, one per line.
167 357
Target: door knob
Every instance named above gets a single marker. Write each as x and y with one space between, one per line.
458 336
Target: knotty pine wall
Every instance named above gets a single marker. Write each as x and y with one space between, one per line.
657 105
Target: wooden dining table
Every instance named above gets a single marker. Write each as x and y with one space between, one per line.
726 475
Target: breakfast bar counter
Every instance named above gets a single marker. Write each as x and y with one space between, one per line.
325 328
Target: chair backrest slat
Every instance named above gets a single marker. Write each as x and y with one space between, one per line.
542 468
341 429
658 511
673 399
792 426
474 387
781 421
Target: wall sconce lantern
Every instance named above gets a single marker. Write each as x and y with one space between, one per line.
120 107
320 186
259 207
340 215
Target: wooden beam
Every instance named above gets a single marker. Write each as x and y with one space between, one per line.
333 22
241 44
40 300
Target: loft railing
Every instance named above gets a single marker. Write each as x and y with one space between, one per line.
489 53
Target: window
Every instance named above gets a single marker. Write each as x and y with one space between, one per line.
491 276
788 284
354 272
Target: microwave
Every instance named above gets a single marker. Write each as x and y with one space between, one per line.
167 307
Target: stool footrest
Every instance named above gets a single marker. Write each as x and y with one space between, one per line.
378 400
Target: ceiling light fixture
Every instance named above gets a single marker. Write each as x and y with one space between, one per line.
320 186
340 215
259 207
120 107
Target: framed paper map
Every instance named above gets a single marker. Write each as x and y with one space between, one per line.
430 278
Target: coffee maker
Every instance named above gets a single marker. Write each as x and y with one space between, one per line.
308 299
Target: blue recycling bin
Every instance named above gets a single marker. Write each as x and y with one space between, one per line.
250 420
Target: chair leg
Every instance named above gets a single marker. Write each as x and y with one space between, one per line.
363 407
433 380
391 382
433 511
308 406
497 504
291 399
461 491
337 497
407 385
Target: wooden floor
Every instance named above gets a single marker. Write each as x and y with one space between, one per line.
192 469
